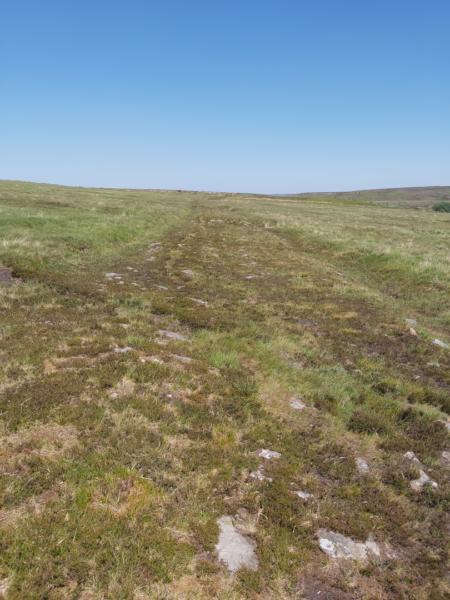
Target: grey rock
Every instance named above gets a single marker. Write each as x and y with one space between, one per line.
411 321
199 301
446 456
418 484
172 335
337 545
161 287
362 466
303 495
440 344
445 423
433 365
411 456
126 349
372 546
269 454
188 272
297 405
233 548
109 275
259 476
185 359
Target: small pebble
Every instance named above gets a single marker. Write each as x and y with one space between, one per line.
303 495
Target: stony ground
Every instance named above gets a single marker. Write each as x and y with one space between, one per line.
222 396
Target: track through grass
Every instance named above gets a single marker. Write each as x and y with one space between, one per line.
122 443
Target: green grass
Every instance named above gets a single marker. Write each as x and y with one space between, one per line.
114 466
442 207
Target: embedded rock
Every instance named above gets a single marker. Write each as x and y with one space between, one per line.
303 495
185 359
297 405
269 454
445 455
172 335
411 456
259 476
233 548
362 466
417 484
440 344
199 301
337 545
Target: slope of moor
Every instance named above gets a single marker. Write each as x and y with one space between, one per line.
152 345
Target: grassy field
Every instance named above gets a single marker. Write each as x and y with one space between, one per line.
121 446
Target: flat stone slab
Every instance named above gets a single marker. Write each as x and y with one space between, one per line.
410 321
188 272
269 454
199 301
440 344
126 349
337 545
303 495
172 335
233 548
297 405
185 359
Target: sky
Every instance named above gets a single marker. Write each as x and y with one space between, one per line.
267 96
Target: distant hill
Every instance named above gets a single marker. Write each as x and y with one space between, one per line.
414 197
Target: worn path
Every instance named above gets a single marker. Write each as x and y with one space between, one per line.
139 403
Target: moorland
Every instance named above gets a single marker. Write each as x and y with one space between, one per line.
153 343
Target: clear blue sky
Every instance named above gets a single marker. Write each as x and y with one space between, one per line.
272 96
